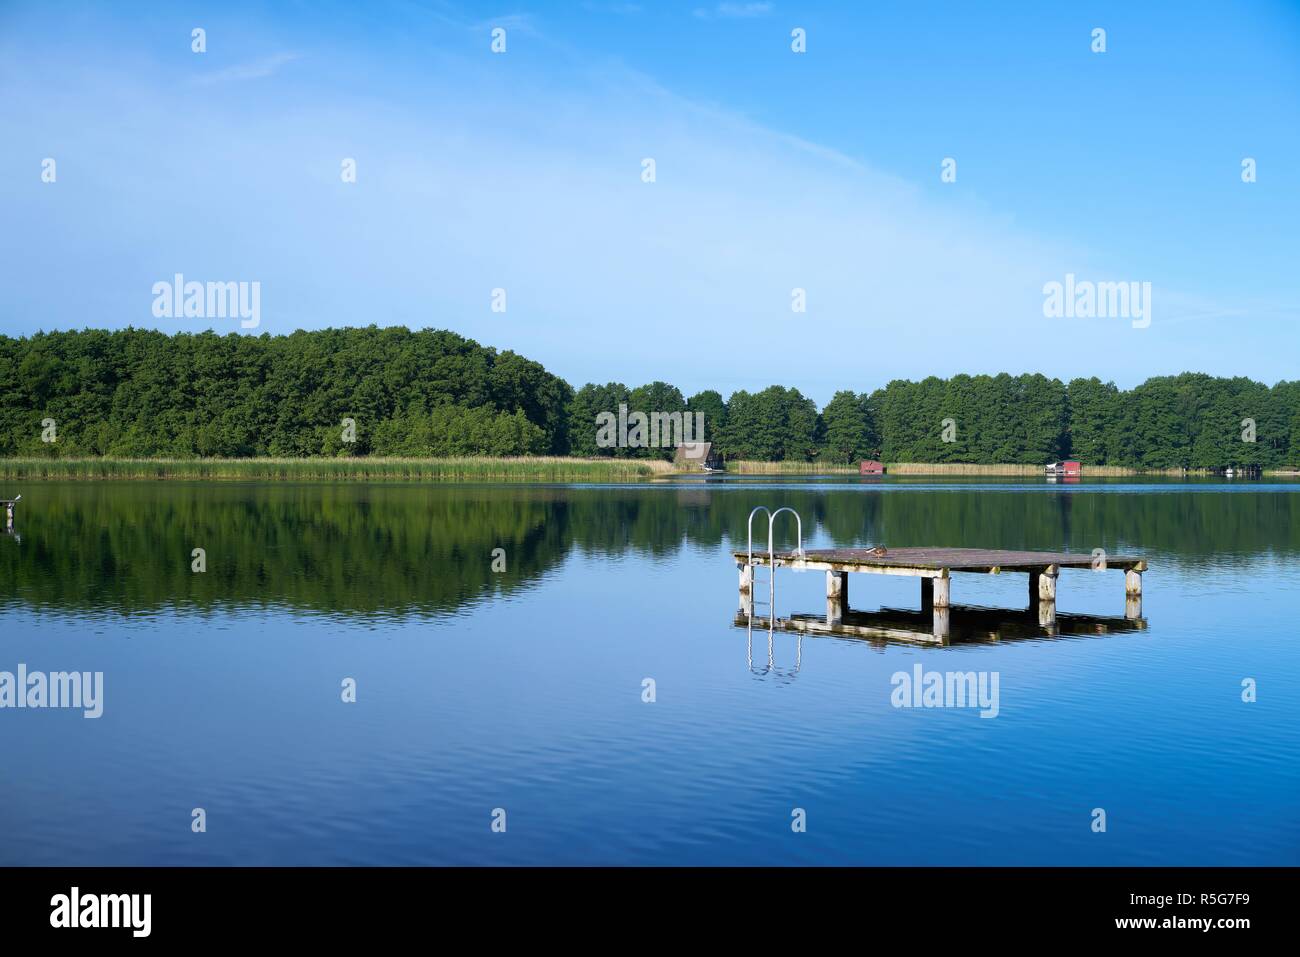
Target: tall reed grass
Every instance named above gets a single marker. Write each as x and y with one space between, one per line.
529 469
963 468
473 468
749 467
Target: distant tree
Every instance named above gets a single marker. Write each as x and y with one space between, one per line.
715 412
1094 410
664 399
845 419
588 403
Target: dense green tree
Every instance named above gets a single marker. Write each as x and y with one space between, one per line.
710 403
588 404
662 399
845 419
1094 410
773 425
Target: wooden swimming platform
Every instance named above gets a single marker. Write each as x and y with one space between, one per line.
935 568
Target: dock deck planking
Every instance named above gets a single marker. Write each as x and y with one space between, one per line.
920 561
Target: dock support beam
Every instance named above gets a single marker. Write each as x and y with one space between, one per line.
1042 585
935 592
837 595
837 587
1133 594
747 589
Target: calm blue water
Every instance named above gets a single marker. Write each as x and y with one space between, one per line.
522 690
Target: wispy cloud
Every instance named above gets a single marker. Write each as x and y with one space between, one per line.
734 11
251 70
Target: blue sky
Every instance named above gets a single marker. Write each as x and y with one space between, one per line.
774 170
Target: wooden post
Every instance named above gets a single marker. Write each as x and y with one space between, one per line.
747 589
1133 607
837 586
1133 582
940 590
837 596
1047 582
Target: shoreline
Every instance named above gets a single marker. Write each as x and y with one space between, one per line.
488 468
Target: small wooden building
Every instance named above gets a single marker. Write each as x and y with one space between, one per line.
698 457
871 467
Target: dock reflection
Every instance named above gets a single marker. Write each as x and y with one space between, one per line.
960 624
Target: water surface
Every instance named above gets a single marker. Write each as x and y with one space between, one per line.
522 689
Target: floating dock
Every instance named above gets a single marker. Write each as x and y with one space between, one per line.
935 568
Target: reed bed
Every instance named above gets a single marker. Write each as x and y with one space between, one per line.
748 467
483 468
958 468
526 469
964 468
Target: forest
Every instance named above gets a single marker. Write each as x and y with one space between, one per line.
392 391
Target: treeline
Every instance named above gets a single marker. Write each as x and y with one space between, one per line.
137 392
361 391
1190 420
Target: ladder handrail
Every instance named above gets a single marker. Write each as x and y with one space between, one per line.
761 508
771 520
798 552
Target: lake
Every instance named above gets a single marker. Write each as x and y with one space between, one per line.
517 694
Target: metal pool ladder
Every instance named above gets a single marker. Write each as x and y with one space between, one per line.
771 558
